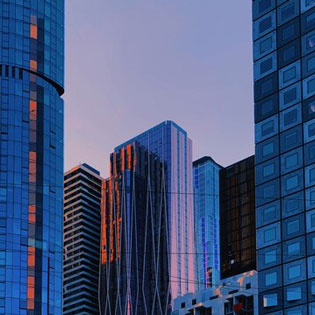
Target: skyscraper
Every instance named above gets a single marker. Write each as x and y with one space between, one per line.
135 264
207 222
284 89
82 226
237 218
31 151
172 149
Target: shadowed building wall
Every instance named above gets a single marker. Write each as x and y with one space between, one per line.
237 218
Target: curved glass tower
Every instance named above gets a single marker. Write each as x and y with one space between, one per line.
31 156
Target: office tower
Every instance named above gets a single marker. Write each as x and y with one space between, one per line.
82 226
168 208
236 295
284 90
207 223
135 275
237 218
31 154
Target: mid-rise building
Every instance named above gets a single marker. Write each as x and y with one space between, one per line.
233 296
284 95
207 223
237 218
31 155
82 227
166 208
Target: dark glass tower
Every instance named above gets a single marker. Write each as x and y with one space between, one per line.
31 156
237 218
163 204
82 223
284 93
135 262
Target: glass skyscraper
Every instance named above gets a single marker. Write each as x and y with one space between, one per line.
171 147
284 94
207 222
31 156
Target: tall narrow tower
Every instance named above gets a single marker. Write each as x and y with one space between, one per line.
82 198
31 156
151 177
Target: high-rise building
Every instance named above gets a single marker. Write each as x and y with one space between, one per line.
237 218
172 193
135 264
207 223
284 94
31 154
82 226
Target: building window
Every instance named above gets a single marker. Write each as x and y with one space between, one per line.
290 117
267 149
289 53
288 11
291 139
268 235
292 182
265 45
311 266
294 271
265 66
261 7
310 198
288 32
268 213
270 300
271 278
309 130
291 161
264 25
267 128
290 96
308 21
309 87
266 108
293 204
289 74
309 153
310 176
307 4
267 192
294 294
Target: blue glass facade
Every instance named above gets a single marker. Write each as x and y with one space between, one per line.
284 89
173 147
207 222
31 156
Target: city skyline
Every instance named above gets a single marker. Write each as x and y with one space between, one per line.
195 81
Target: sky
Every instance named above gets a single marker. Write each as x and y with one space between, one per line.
131 64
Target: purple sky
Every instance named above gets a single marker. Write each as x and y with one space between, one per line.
131 64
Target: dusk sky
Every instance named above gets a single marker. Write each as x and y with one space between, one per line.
131 64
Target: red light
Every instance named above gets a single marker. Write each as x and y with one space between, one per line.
238 307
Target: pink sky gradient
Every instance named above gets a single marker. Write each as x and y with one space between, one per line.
131 64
